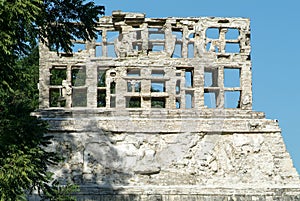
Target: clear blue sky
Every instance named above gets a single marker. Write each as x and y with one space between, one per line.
275 39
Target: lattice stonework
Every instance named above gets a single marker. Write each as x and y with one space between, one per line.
175 59
160 109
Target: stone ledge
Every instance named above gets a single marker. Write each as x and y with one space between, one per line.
152 114
163 125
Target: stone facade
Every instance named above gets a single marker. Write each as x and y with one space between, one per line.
161 109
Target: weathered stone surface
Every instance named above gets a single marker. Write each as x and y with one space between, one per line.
139 123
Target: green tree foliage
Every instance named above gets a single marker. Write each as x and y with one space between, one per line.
23 155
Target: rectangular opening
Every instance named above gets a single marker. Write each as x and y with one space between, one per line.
177 103
156 34
191 50
133 72
137 87
156 40
111 51
158 86
232 47
57 75
189 96
78 76
232 99
112 88
212 33
101 98
210 99
133 86
156 47
79 97
158 73
55 98
210 77
177 51
101 78
232 77
188 78
232 34
137 46
177 88
112 101
98 51
133 102
129 87
157 102
178 73
177 34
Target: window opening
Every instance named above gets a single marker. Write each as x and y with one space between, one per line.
191 50
154 47
208 80
232 47
99 50
156 40
177 103
101 78
177 34
210 99
133 102
177 88
111 36
212 33
157 86
55 98
232 34
177 51
157 102
208 45
178 44
129 87
158 73
111 51
156 33
137 45
57 75
232 99
112 87
79 97
101 98
210 77
232 77
189 99
133 72
188 78
137 87
78 76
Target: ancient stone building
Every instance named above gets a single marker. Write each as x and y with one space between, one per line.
161 109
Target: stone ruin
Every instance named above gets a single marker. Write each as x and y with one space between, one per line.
160 109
